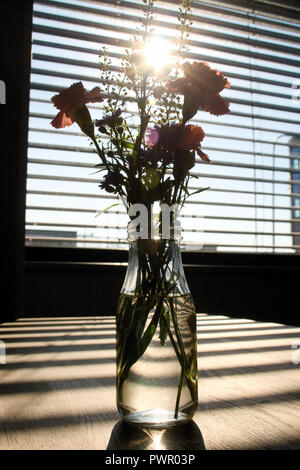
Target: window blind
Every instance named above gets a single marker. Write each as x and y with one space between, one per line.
253 204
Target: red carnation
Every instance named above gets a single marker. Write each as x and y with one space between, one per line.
72 105
200 86
214 104
191 137
200 74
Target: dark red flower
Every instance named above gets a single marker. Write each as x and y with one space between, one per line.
190 138
200 86
180 85
215 105
201 75
72 105
176 144
203 155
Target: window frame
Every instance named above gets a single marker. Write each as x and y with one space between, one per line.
235 273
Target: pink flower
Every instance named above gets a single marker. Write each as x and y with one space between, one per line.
151 136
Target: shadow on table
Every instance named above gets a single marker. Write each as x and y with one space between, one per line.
127 436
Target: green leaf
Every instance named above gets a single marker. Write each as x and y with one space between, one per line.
190 108
164 323
140 347
128 145
151 178
199 191
106 209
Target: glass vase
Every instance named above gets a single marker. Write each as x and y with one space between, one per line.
156 337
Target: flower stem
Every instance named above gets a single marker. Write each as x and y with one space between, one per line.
183 358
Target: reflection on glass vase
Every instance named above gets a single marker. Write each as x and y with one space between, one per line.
156 337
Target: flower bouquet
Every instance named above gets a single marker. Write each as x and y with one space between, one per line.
147 150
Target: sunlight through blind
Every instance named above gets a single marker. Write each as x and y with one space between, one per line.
253 204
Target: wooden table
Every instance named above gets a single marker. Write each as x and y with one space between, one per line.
57 389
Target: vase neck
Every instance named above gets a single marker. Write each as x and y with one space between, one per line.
155 268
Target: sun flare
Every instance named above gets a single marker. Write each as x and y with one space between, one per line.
157 53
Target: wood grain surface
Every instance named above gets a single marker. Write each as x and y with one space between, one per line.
57 388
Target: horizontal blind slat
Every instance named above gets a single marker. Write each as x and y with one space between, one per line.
204 147
132 6
202 174
194 30
68 47
248 17
59 60
191 42
254 181
113 41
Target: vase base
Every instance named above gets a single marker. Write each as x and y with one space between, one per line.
156 418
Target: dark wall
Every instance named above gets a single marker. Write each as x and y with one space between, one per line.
261 287
15 36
